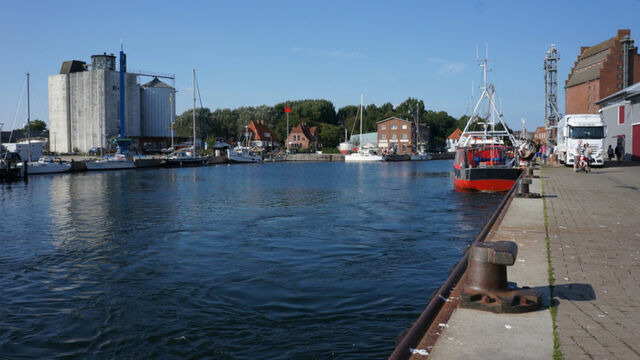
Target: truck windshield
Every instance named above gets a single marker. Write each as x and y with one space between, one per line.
587 132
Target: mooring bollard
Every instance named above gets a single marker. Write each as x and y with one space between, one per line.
530 171
523 189
486 287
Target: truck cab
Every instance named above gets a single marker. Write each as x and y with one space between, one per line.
588 128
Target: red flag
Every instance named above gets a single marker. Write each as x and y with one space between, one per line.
287 109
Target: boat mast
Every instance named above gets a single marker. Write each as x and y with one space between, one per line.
194 111
360 146
28 119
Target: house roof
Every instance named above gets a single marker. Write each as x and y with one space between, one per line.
260 132
624 94
310 133
392 118
455 134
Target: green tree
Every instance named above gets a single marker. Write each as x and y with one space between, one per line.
36 125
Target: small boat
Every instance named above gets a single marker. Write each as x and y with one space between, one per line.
117 162
483 160
11 168
242 153
185 157
364 154
48 165
396 157
421 156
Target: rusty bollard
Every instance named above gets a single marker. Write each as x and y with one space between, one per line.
486 287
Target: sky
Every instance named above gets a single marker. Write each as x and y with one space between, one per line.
250 53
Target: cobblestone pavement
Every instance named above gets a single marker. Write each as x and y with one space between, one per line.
594 228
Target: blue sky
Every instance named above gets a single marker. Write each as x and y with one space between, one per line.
249 53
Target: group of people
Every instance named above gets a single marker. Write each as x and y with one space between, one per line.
619 152
582 155
547 154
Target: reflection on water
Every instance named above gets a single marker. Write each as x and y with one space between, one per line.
278 261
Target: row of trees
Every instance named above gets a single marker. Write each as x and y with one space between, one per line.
229 124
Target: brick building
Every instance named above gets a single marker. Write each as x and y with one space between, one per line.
304 136
396 136
600 71
541 134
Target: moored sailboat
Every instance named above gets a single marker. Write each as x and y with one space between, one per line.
363 154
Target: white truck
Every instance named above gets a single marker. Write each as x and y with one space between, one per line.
589 128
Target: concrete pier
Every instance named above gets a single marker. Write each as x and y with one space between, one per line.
587 226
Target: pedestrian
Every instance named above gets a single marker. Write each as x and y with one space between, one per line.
577 152
610 152
619 152
587 155
543 153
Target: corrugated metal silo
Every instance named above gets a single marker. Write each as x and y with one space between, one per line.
157 108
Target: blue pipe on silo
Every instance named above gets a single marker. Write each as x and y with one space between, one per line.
123 69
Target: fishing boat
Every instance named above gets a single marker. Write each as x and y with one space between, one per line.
243 153
484 161
364 154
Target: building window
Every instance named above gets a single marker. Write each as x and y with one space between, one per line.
394 127
404 136
621 115
394 136
383 136
383 127
404 127
404 148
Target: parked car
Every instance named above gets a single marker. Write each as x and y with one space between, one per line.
96 151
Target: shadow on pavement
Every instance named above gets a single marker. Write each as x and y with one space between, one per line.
574 292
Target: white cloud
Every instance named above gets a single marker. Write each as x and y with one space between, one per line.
447 68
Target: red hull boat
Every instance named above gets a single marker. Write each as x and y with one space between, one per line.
483 162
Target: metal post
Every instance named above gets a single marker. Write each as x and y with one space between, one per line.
172 122
194 111
28 119
287 138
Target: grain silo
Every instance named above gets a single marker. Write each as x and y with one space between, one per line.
157 112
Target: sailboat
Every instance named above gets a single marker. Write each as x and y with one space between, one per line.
363 154
44 165
421 154
483 161
188 156
242 153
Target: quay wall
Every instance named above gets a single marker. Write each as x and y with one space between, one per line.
314 157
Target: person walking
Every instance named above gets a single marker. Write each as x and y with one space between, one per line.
619 152
587 155
610 152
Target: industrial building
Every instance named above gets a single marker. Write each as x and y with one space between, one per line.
621 114
84 107
600 71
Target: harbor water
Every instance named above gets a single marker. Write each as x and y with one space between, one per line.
273 261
